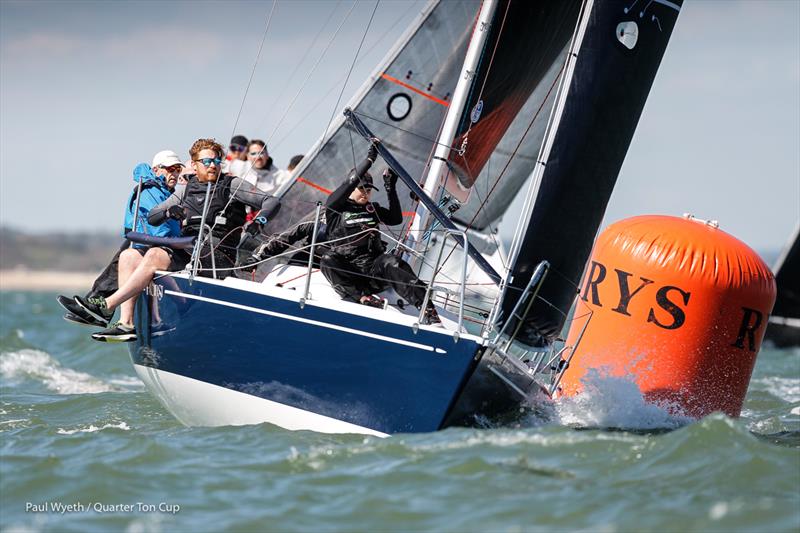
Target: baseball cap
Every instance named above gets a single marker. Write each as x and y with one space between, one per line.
239 140
166 158
366 181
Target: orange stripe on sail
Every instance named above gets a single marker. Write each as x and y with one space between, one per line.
418 91
411 214
311 184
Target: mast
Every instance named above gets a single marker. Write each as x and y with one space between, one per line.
438 162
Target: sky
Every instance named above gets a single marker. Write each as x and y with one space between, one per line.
89 89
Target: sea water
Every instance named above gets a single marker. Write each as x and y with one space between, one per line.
83 447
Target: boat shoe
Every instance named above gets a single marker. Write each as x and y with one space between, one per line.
119 332
95 307
77 315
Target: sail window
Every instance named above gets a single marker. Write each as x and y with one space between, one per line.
628 34
399 106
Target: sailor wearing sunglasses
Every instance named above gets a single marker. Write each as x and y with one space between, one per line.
225 216
259 168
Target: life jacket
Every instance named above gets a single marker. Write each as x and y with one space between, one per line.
353 220
226 221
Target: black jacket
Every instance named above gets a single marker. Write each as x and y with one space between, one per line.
346 218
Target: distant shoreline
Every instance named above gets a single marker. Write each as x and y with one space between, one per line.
20 279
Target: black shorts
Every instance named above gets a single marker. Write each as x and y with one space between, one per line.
177 258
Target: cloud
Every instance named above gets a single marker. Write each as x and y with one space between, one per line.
164 44
41 44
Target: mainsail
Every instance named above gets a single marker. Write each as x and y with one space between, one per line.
403 103
613 60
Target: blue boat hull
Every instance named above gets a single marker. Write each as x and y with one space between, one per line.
369 372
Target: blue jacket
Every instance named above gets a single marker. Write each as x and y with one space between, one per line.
154 191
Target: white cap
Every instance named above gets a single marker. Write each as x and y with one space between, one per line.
166 158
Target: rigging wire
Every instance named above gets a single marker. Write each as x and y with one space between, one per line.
255 64
372 46
302 60
514 153
311 72
350 71
247 89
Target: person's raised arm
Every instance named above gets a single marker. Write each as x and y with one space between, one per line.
393 215
338 198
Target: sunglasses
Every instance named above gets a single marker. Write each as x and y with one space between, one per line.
207 161
237 148
365 190
173 168
257 154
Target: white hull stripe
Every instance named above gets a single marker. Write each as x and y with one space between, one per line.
197 403
309 321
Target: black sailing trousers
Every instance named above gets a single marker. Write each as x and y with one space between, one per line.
354 279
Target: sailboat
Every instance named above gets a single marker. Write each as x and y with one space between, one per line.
784 323
475 101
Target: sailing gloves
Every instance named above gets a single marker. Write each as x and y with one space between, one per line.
372 155
389 180
176 212
255 225
251 263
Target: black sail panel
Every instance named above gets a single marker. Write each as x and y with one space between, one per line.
787 279
525 40
616 63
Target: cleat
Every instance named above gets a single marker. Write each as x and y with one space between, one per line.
95 307
79 315
119 332
431 316
372 301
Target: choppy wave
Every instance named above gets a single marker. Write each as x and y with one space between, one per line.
785 388
616 402
41 366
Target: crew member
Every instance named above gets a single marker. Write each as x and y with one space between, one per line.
186 204
356 264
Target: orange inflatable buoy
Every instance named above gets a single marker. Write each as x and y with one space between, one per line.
678 305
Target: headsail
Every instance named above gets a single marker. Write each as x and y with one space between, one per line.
613 61
787 277
784 322
403 103
526 41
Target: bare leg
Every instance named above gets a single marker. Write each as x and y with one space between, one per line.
128 261
154 259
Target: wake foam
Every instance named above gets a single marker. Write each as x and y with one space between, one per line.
92 428
40 366
616 402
